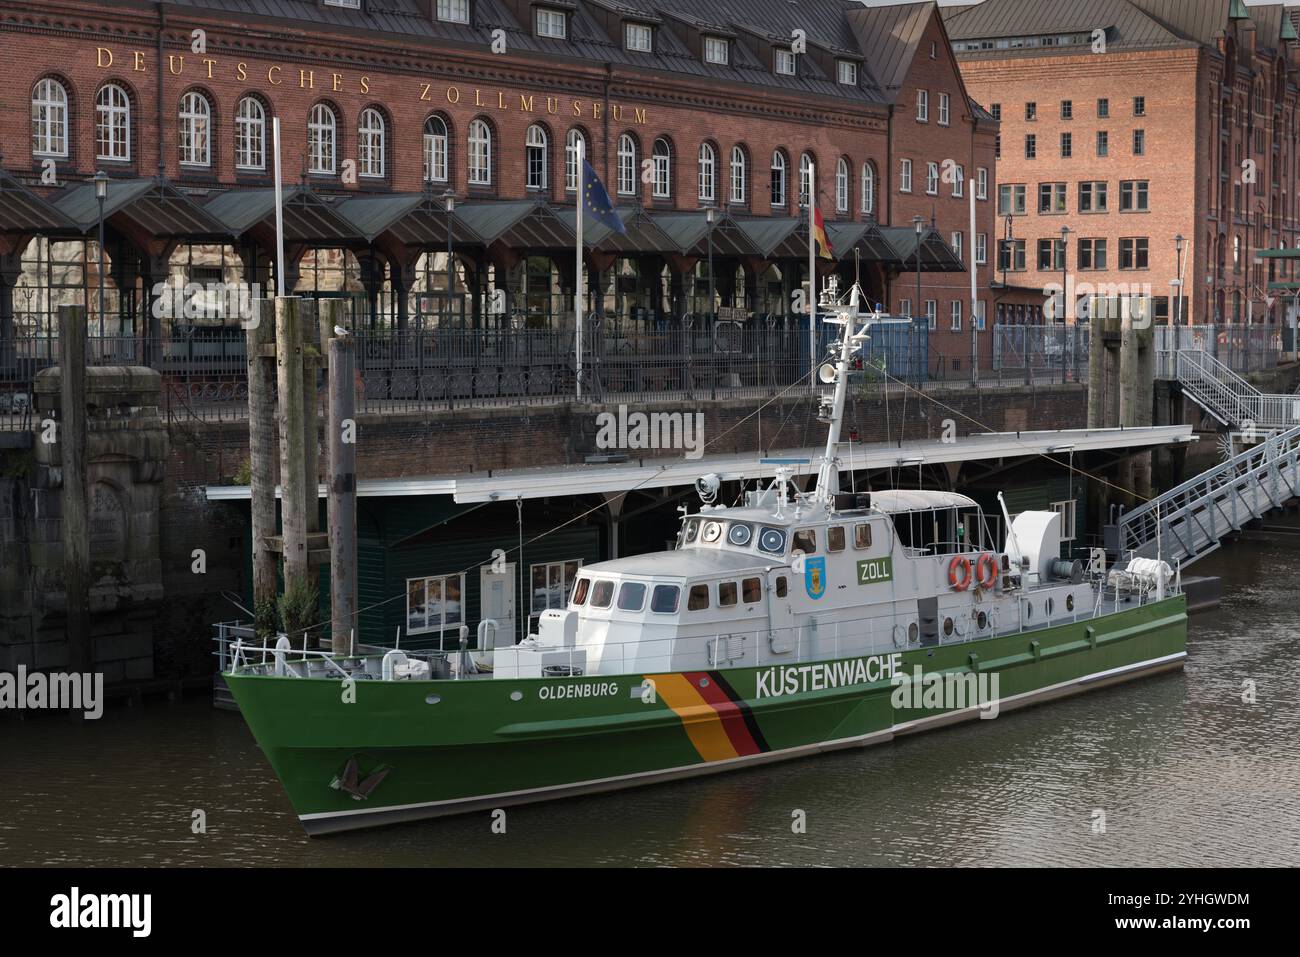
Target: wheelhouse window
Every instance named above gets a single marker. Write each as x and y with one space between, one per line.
321 140
435 149
551 583
195 132
112 123
250 134
638 38
453 11
371 140
664 599
49 119
480 154
535 157
805 540
835 538
631 596
726 594
434 604
602 595
751 590
551 23
698 598
716 50
862 537
662 167
580 592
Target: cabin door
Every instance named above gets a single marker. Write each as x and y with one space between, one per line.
496 600
780 616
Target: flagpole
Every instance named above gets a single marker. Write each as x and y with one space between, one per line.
812 279
279 211
579 207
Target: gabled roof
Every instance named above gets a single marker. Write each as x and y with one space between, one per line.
936 255
413 219
154 206
1125 23
521 225
889 37
307 217
689 233
643 234
24 213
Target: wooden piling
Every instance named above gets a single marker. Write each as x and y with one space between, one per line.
75 516
1128 386
1096 369
261 450
293 470
311 352
342 492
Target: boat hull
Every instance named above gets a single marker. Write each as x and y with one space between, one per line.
433 748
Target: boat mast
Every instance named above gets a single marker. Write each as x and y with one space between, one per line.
828 476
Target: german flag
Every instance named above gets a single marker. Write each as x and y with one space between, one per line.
716 719
819 234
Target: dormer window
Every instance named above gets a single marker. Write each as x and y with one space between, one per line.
848 72
784 62
716 51
453 11
638 37
347 4
552 23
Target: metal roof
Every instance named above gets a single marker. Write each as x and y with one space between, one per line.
689 233
656 473
888 36
936 255
22 212
777 236
413 219
915 500
825 23
865 237
154 206
643 234
307 217
525 224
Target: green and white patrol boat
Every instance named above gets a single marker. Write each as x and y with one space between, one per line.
794 624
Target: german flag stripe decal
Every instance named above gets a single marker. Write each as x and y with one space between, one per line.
714 717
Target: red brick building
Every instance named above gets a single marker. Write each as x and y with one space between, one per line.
1131 123
387 105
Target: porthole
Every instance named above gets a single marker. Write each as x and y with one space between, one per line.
433 699
913 633
947 627
1069 602
1029 611
516 696
1049 606
982 621
772 540
740 535
712 531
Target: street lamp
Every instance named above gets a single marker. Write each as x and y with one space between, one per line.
101 194
1065 277
708 218
918 224
1178 282
449 204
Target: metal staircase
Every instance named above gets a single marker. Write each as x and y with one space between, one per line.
1194 518
1230 398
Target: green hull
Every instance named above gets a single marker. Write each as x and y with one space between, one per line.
443 747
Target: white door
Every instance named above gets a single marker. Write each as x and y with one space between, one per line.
780 616
497 601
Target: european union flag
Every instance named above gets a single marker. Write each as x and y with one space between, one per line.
597 201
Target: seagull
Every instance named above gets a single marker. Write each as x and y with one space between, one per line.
341 332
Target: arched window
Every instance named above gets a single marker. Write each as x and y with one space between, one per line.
778 178
739 176
322 143
49 119
535 157
708 179
195 132
435 149
250 134
842 186
372 137
663 168
112 123
869 188
480 154
806 185
571 158
626 165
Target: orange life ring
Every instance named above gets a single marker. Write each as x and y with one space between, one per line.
960 563
988 562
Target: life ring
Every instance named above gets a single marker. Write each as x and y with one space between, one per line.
960 573
988 562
